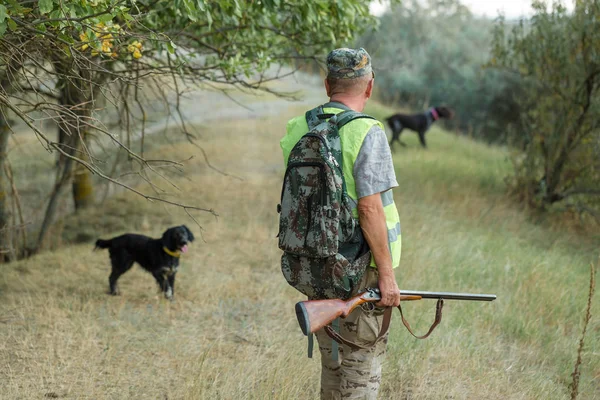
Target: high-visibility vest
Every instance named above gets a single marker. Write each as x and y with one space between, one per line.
352 136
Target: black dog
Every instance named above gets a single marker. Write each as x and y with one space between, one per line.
419 123
160 257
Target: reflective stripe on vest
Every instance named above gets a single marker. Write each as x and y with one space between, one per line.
352 136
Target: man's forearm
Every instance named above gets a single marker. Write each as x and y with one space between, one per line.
372 222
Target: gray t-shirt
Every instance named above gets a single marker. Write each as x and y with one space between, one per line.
374 168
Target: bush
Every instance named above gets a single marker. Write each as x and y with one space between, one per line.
556 56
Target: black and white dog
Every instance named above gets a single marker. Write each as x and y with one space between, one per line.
419 123
160 257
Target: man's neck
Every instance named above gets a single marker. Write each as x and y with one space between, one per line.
351 102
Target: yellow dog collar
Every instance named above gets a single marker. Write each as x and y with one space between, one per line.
175 254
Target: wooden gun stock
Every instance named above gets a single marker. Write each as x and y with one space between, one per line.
315 314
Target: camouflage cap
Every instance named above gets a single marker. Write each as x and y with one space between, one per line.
347 63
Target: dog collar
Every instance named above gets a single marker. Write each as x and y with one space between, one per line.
175 254
434 114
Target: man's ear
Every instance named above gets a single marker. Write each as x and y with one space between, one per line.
369 90
327 88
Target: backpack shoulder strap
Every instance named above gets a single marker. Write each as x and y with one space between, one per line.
315 116
345 117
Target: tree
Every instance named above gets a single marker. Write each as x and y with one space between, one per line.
89 49
557 57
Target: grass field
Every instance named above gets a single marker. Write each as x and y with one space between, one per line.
232 333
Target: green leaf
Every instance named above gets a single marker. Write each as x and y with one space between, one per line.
190 9
45 6
66 38
209 18
3 13
2 28
56 14
105 18
12 25
171 47
15 7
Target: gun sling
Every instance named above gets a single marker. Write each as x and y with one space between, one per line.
385 326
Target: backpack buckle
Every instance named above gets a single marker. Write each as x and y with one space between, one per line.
331 213
325 116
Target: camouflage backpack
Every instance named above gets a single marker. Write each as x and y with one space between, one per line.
325 254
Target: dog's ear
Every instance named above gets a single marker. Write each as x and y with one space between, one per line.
167 238
189 233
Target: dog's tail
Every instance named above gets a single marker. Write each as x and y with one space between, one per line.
103 244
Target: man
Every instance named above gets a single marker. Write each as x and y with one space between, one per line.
355 373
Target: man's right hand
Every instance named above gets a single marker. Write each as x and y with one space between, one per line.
390 292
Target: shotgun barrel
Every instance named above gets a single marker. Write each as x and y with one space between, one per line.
448 295
315 314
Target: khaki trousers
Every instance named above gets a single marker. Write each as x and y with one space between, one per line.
357 373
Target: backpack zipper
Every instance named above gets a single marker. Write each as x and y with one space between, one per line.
309 206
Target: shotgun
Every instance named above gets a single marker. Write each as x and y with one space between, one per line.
316 314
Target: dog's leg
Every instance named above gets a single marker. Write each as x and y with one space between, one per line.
160 279
398 138
121 263
163 284
422 139
394 138
171 280
396 129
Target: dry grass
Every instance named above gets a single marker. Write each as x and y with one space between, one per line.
232 334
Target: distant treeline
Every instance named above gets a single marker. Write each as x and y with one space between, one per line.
532 84
433 53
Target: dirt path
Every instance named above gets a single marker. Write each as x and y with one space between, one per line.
200 107
34 166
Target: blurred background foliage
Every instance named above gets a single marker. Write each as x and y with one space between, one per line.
431 53
531 84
